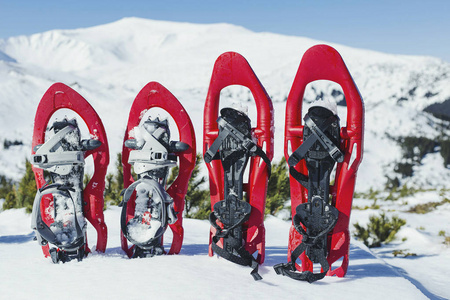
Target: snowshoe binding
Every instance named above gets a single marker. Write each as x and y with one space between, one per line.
321 211
153 206
237 224
147 208
59 207
320 150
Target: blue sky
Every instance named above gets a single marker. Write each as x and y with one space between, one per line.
396 26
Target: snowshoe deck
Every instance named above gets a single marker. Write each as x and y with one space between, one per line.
319 233
146 202
61 206
228 146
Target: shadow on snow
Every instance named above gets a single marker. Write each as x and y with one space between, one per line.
17 239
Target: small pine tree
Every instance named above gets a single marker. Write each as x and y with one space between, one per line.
10 200
278 189
197 204
114 183
26 190
6 186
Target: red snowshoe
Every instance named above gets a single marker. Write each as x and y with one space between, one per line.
62 204
147 207
237 230
321 212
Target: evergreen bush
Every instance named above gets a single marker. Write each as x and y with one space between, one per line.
197 201
114 183
380 229
278 188
21 196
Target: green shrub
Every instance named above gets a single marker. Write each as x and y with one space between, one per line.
26 190
403 253
424 208
197 201
21 195
447 241
380 229
10 200
278 191
114 183
6 187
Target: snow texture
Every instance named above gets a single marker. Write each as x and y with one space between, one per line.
192 274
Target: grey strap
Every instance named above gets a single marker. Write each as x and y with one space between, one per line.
57 162
126 197
332 149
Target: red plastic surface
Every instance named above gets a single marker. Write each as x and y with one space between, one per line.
322 62
60 96
232 69
155 95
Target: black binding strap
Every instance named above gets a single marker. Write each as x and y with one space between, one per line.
244 258
246 142
301 151
311 244
123 216
315 218
233 146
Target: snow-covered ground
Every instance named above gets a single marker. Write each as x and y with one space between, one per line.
192 274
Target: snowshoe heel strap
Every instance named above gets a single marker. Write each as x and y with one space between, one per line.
288 270
239 212
156 188
313 246
44 233
244 258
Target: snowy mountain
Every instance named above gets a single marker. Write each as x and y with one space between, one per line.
109 64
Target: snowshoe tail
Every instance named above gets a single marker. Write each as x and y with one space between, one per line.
61 206
321 212
237 230
147 207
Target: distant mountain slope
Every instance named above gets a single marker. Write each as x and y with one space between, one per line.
109 64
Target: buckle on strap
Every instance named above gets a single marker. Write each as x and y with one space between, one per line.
334 151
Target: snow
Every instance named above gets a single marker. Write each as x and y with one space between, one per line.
192 274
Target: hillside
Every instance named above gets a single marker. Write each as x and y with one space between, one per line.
109 64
